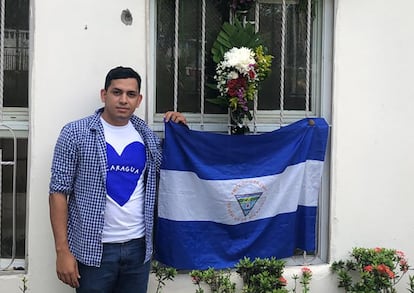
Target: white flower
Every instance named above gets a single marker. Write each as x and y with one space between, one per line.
240 58
233 75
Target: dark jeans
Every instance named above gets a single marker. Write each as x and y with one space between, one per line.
122 270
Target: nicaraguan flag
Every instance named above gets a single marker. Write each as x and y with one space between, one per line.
224 197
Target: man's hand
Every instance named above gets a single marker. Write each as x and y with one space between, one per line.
66 264
176 117
67 268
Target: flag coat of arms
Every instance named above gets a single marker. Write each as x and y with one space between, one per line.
225 197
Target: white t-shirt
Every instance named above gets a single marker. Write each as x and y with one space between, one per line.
124 212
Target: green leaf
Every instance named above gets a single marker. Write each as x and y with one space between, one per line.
224 35
234 35
218 101
211 85
224 42
228 28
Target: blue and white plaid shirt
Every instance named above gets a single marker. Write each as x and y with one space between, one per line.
79 171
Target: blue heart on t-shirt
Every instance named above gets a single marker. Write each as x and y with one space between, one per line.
124 171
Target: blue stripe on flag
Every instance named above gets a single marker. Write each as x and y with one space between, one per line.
201 245
221 156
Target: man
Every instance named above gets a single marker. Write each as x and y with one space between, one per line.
102 192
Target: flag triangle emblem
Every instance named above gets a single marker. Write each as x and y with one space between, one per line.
247 201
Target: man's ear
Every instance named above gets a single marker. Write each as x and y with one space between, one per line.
139 100
103 95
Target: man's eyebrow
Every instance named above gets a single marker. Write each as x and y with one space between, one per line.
128 91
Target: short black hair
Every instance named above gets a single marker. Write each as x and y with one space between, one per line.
122 72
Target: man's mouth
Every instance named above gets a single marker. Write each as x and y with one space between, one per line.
122 109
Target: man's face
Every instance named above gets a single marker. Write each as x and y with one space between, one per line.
121 99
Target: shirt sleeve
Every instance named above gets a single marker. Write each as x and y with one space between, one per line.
64 163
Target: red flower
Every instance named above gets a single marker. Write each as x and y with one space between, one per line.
368 268
381 268
403 265
282 281
377 249
385 270
234 85
306 270
390 273
252 74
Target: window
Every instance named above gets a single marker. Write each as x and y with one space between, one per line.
14 131
184 31
181 72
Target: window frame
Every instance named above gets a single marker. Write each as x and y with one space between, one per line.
266 120
269 120
14 123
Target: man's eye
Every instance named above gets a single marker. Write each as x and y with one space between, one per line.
116 92
132 94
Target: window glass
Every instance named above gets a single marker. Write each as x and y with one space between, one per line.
16 53
6 146
189 54
15 94
295 57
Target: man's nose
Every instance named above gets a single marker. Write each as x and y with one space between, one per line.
123 98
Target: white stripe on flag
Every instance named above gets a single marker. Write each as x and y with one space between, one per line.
185 197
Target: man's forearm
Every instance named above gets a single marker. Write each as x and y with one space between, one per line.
58 208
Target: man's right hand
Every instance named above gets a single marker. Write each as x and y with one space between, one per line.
66 264
67 268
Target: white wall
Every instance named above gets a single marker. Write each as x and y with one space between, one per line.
372 137
372 126
75 44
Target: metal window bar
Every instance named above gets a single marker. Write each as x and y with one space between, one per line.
255 101
282 63
308 57
12 163
176 31
203 61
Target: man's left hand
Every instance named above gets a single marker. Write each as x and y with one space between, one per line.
176 117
